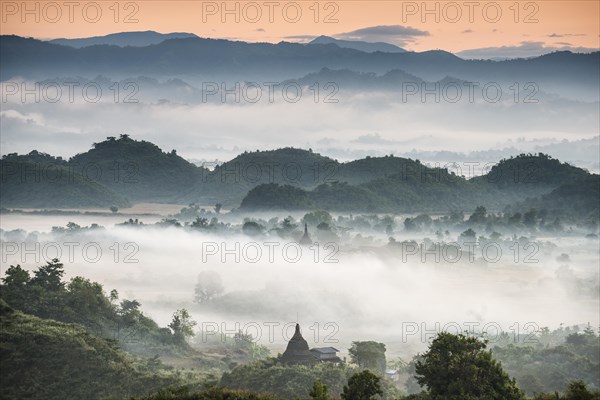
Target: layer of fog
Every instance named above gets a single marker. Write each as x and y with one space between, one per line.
359 124
367 294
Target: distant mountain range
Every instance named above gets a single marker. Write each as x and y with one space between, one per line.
123 39
200 59
367 47
126 171
147 38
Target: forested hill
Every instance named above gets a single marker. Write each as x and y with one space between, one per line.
38 180
139 170
391 184
532 169
70 363
120 171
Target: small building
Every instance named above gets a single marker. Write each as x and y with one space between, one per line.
326 354
297 352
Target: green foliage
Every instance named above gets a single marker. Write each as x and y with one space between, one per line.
458 367
292 179
319 391
363 385
183 393
139 170
182 325
391 184
368 355
341 196
37 180
579 198
576 358
479 215
81 301
532 169
49 276
50 360
272 196
577 390
317 217
288 381
16 277
252 228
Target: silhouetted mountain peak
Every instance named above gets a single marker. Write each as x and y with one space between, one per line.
368 47
124 39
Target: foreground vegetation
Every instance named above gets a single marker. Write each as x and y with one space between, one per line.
54 345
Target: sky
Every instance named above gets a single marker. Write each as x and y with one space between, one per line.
469 28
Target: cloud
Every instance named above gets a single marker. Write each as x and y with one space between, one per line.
468 31
302 38
260 30
559 35
523 50
372 138
396 34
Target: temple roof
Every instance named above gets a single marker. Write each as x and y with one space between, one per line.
306 240
297 351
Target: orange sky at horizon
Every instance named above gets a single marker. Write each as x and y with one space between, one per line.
448 25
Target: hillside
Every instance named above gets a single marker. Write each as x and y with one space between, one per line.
139 170
577 198
393 184
531 170
229 182
38 180
120 171
68 363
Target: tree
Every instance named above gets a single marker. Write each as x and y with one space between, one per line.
316 217
200 222
208 287
218 208
362 386
15 289
468 234
530 218
288 226
114 295
16 277
410 225
369 355
319 391
458 367
49 276
114 209
479 215
252 228
182 325
577 390
128 306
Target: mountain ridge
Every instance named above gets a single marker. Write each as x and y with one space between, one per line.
122 39
368 47
145 173
219 58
